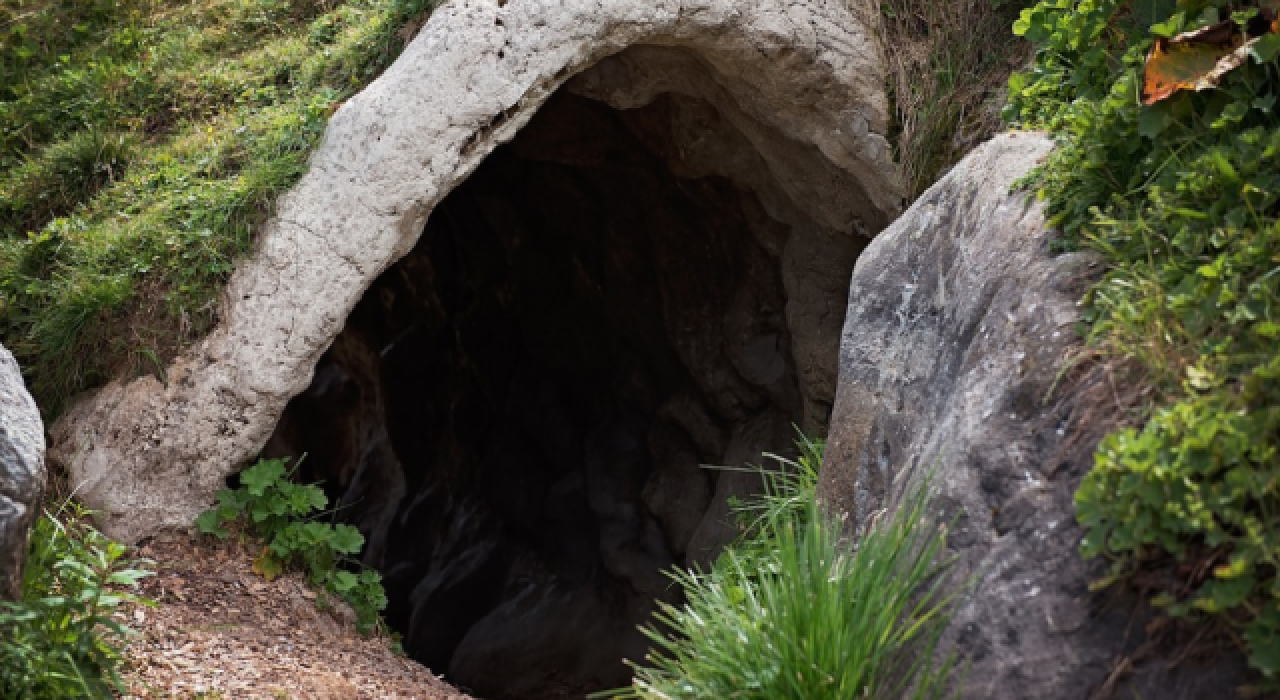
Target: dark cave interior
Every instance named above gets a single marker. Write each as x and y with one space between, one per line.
517 413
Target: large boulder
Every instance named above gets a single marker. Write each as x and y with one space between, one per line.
959 327
799 85
22 474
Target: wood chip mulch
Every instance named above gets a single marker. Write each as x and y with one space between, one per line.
220 631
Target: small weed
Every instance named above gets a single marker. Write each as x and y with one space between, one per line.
62 639
280 512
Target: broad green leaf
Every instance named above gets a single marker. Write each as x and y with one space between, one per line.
347 539
262 475
1265 48
344 581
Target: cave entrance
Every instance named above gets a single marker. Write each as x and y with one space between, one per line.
516 412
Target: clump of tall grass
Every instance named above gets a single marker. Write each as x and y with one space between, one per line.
794 610
948 63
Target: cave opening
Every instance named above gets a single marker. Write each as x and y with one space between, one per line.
517 414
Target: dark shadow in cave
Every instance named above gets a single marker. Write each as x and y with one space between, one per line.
516 412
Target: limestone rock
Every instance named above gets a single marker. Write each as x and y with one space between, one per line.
22 474
801 84
958 325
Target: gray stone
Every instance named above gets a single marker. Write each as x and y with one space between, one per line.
959 323
678 490
22 474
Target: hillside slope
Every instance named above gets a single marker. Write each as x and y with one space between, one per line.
141 142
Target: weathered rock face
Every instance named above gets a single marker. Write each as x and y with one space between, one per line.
22 475
799 82
958 326
517 411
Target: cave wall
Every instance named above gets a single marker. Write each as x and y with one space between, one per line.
517 413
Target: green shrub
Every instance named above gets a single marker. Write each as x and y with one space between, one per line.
62 640
274 508
793 610
1181 199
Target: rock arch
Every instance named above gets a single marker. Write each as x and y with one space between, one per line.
800 81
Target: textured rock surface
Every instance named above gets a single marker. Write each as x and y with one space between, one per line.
958 325
802 82
22 475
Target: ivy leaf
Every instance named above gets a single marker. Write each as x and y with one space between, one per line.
1169 27
210 524
1262 656
1022 25
262 475
1225 594
1267 329
1154 120
344 581
1265 48
346 540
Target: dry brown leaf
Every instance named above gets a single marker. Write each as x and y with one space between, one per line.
1199 59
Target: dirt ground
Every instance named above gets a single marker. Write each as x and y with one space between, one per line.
220 631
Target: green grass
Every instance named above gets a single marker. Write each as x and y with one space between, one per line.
141 142
1181 200
62 639
793 611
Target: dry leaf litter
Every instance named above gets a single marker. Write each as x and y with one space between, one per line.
220 631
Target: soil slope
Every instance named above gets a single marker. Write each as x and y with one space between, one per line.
221 631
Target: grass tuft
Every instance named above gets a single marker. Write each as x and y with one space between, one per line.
948 64
795 611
